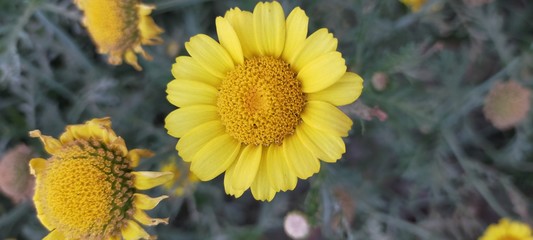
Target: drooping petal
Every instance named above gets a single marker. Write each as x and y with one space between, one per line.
246 167
55 235
241 23
301 160
215 157
184 93
316 45
51 145
144 219
145 180
343 92
210 55
296 26
134 231
280 175
145 202
322 72
228 182
182 120
190 143
326 147
269 28
188 68
261 188
135 155
326 117
229 40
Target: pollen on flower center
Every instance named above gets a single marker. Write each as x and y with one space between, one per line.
260 101
96 182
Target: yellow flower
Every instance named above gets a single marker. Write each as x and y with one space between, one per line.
414 5
120 27
261 104
87 189
507 230
183 179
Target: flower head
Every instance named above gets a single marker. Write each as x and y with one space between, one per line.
260 104
15 179
507 104
296 225
87 189
120 28
414 5
507 230
183 180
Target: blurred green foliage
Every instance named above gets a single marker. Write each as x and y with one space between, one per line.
434 169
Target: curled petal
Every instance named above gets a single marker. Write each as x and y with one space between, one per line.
146 180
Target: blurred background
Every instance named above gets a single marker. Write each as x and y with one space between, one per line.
440 147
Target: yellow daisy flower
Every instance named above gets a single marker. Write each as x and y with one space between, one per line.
183 180
414 5
507 229
120 28
261 104
87 189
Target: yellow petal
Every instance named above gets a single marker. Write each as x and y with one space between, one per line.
37 166
130 58
228 182
246 167
133 231
183 93
196 138
301 160
343 92
144 219
241 21
147 28
229 40
322 72
296 25
280 175
326 117
326 147
215 157
261 188
210 55
51 145
135 155
182 120
145 180
316 45
145 202
188 68
269 28
55 235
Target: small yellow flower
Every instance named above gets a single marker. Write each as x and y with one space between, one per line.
184 180
414 5
507 230
260 105
87 189
120 28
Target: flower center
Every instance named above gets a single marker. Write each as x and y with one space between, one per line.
260 101
112 24
87 190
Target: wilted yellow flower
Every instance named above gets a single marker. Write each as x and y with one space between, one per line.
87 189
507 229
414 5
261 104
507 104
183 180
15 179
120 28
